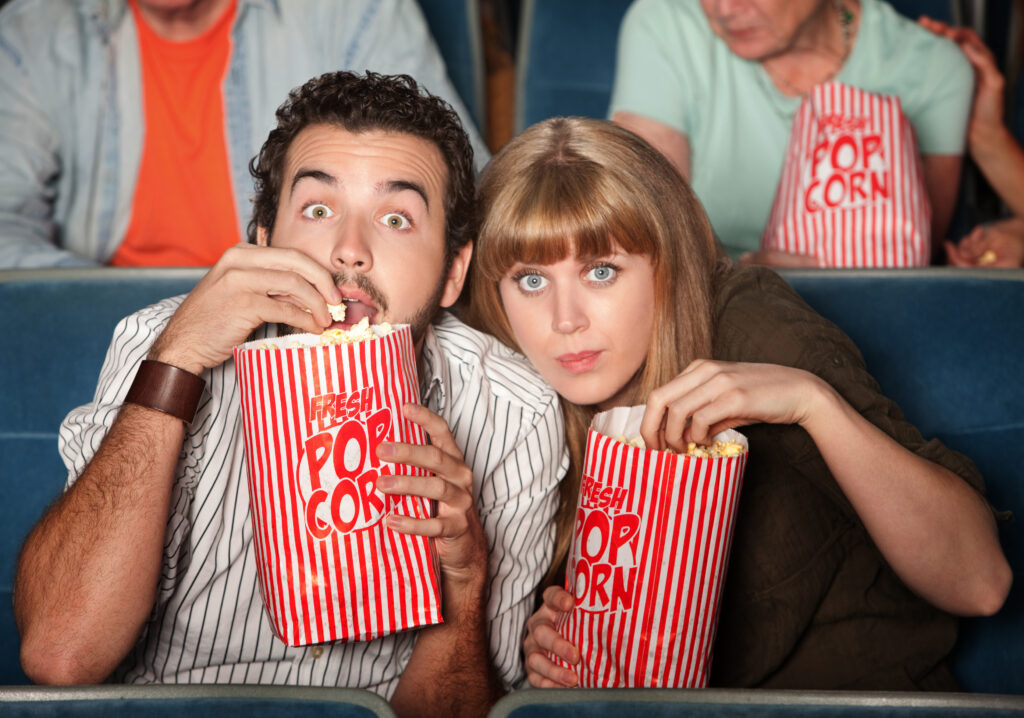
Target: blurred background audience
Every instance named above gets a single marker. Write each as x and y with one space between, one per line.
126 127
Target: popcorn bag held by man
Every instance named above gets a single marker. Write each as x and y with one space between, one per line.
314 414
852 190
649 555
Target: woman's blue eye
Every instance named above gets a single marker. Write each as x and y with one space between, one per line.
317 211
532 282
602 273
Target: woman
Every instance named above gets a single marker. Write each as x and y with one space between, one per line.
594 258
715 85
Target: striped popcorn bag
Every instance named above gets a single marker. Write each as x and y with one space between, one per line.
852 190
648 558
313 417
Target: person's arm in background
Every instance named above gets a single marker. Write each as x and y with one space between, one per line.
668 140
989 140
654 84
942 182
996 152
29 163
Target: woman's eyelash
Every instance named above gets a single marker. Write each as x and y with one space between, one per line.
523 273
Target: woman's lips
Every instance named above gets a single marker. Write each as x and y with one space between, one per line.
578 363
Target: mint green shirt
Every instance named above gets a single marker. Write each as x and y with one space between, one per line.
672 68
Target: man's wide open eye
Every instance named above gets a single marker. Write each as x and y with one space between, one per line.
394 220
317 211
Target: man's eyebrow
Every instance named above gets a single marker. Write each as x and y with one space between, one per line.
395 186
318 175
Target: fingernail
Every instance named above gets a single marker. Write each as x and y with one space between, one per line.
386 451
385 482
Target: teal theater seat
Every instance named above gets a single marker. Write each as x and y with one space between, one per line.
220 701
455 25
747 703
945 344
56 326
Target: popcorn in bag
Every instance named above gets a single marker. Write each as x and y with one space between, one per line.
852 190
648 557
313 416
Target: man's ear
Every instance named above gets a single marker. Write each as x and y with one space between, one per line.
456 278
262 238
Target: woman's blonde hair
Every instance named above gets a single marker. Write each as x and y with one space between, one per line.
584 187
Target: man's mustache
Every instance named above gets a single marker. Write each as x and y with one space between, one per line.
363 283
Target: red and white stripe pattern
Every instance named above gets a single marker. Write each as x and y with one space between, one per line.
852 190
687 508
355 585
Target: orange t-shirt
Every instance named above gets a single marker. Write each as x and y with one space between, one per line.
183 213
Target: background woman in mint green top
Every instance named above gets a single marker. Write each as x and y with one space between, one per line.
715 85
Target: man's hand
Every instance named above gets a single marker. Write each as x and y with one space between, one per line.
249 286
461 546
542 638
450 672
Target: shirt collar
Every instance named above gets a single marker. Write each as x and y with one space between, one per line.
434 373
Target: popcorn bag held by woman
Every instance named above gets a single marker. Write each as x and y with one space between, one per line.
852 190
648 558
314 415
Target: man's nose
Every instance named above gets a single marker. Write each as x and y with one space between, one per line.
351 248
569 315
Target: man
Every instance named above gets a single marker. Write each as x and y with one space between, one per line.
145 571
126 126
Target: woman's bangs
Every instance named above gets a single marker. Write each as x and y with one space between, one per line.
558 215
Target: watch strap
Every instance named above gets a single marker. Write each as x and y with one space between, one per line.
166 388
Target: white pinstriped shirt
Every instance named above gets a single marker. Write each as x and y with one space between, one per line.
209 625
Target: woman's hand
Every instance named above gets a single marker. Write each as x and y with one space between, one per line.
1000 244
542 637
712 396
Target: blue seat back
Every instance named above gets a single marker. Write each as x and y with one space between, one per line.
56 326
947 346
455 25
740 703
172 701
566 58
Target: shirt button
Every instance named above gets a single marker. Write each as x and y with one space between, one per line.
317 651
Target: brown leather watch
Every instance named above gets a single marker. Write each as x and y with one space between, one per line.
166 388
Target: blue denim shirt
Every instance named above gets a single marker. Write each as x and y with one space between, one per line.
71 114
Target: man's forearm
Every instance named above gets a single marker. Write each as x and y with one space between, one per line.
88 572
450 672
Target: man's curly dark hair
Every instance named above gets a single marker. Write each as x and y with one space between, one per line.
366 103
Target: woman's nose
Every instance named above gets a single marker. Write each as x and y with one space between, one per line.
569 315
